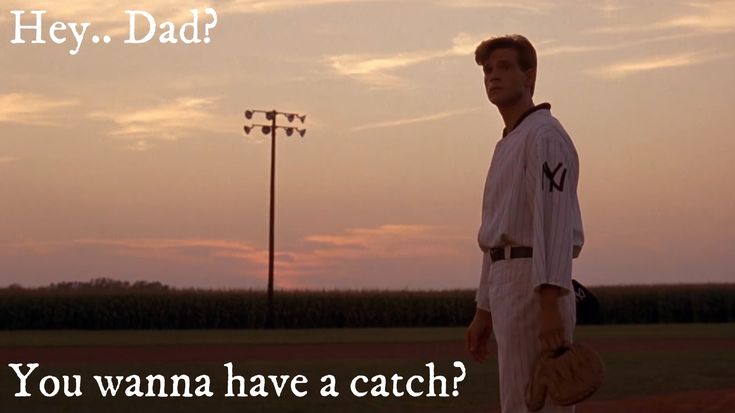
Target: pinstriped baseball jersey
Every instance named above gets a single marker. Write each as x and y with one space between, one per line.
530 199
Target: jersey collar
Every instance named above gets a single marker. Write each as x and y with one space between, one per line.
525 114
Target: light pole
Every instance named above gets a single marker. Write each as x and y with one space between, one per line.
271 129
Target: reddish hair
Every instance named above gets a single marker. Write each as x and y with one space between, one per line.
526 52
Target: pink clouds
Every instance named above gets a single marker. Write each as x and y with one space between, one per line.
319 261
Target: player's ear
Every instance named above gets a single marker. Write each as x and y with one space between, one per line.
531 78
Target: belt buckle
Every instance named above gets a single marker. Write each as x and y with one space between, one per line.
506 251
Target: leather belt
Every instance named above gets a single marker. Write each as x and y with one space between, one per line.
498 253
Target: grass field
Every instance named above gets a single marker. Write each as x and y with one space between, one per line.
345 335
697 356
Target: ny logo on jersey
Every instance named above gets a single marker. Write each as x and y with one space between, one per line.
551 175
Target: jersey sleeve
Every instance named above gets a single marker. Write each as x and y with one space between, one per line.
551 180
482 297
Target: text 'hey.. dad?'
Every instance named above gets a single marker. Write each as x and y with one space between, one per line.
35 27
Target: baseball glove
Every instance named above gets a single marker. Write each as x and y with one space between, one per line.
569 374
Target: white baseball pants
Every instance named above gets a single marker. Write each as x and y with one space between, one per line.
514 307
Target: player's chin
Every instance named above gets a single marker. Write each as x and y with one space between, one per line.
497 98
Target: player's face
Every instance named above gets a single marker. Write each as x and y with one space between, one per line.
505 82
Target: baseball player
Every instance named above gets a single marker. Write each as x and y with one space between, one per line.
531 226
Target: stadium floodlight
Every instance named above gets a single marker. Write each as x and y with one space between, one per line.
271 129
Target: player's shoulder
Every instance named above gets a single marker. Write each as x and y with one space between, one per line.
546 131
546 126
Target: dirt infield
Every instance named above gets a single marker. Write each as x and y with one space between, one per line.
699 401
308 351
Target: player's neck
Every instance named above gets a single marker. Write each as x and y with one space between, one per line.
513 112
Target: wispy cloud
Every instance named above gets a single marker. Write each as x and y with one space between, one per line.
389 239
184 262
102 11
375 69
610 7
712 16
530 6
708 17
571 49
385 243
31 109
8 159
169 120
166 249
410 121
554 50
111 14
139 146
623 29
327 255
625 68
367 237
271 6
332 254
142 244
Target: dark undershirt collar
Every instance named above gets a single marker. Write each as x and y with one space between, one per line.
544 105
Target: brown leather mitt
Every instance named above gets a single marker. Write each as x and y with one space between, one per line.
569 374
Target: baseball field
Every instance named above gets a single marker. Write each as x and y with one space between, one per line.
649 368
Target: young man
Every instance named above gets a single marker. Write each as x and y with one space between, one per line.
531 226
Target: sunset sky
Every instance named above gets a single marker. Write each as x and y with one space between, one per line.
129 161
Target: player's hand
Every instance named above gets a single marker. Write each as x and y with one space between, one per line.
551 327
478 334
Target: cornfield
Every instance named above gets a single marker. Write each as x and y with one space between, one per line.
106 304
